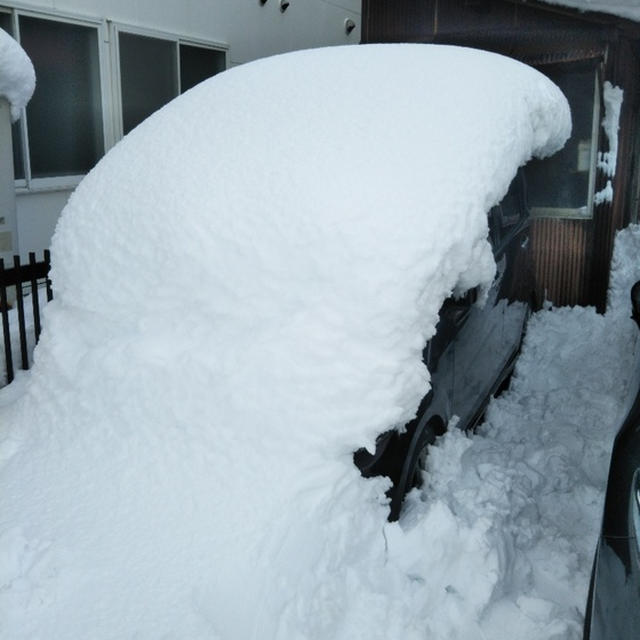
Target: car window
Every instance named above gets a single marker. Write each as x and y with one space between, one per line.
506 218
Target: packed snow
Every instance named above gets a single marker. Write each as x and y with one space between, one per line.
623 8
17 77
243 289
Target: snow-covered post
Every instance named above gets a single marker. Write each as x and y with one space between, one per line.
612 98
8 223
17 82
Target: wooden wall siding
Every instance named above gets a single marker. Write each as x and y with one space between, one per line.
506 23
558 249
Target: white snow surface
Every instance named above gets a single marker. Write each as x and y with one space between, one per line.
243 289
17 77
623 8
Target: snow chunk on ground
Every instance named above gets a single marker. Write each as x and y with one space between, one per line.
243 289
17 77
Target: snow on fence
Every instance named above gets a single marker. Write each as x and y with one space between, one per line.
22 280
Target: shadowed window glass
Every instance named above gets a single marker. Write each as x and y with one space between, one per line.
64 117
198 64
148 76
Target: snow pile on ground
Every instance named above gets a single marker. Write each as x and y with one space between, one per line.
17 77
625 267
516 509
243 289
623 8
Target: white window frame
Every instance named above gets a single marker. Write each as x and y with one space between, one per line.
116 28
109 77
28 183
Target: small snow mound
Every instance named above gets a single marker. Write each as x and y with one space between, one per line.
17 77
625 270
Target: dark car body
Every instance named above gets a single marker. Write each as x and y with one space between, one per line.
470 356
613 603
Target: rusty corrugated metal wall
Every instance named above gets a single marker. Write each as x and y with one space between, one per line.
559 259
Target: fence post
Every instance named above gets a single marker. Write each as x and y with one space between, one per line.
35 302
21 321
4 309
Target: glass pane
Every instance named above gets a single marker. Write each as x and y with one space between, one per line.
18 164
559 186
18 159
148 76
198 64
64 117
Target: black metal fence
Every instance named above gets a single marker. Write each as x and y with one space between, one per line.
26 278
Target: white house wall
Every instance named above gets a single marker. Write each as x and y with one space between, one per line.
245 28
249 29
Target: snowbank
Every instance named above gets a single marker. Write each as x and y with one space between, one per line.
17 77
243 289
513 513
625 270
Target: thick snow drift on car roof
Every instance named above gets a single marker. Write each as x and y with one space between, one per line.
243 289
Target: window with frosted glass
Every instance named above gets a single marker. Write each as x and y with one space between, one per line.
16 130
64 116
148 76
198 64
562 185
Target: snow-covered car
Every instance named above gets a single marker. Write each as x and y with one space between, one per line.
471 355
244 288
613 602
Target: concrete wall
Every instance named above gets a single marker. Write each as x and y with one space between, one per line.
249 30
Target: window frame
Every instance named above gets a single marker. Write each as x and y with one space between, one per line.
116 28
29 184
109 80
576 214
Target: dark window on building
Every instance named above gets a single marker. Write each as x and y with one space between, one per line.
562 186
198 64
148 76
64 116
149 73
